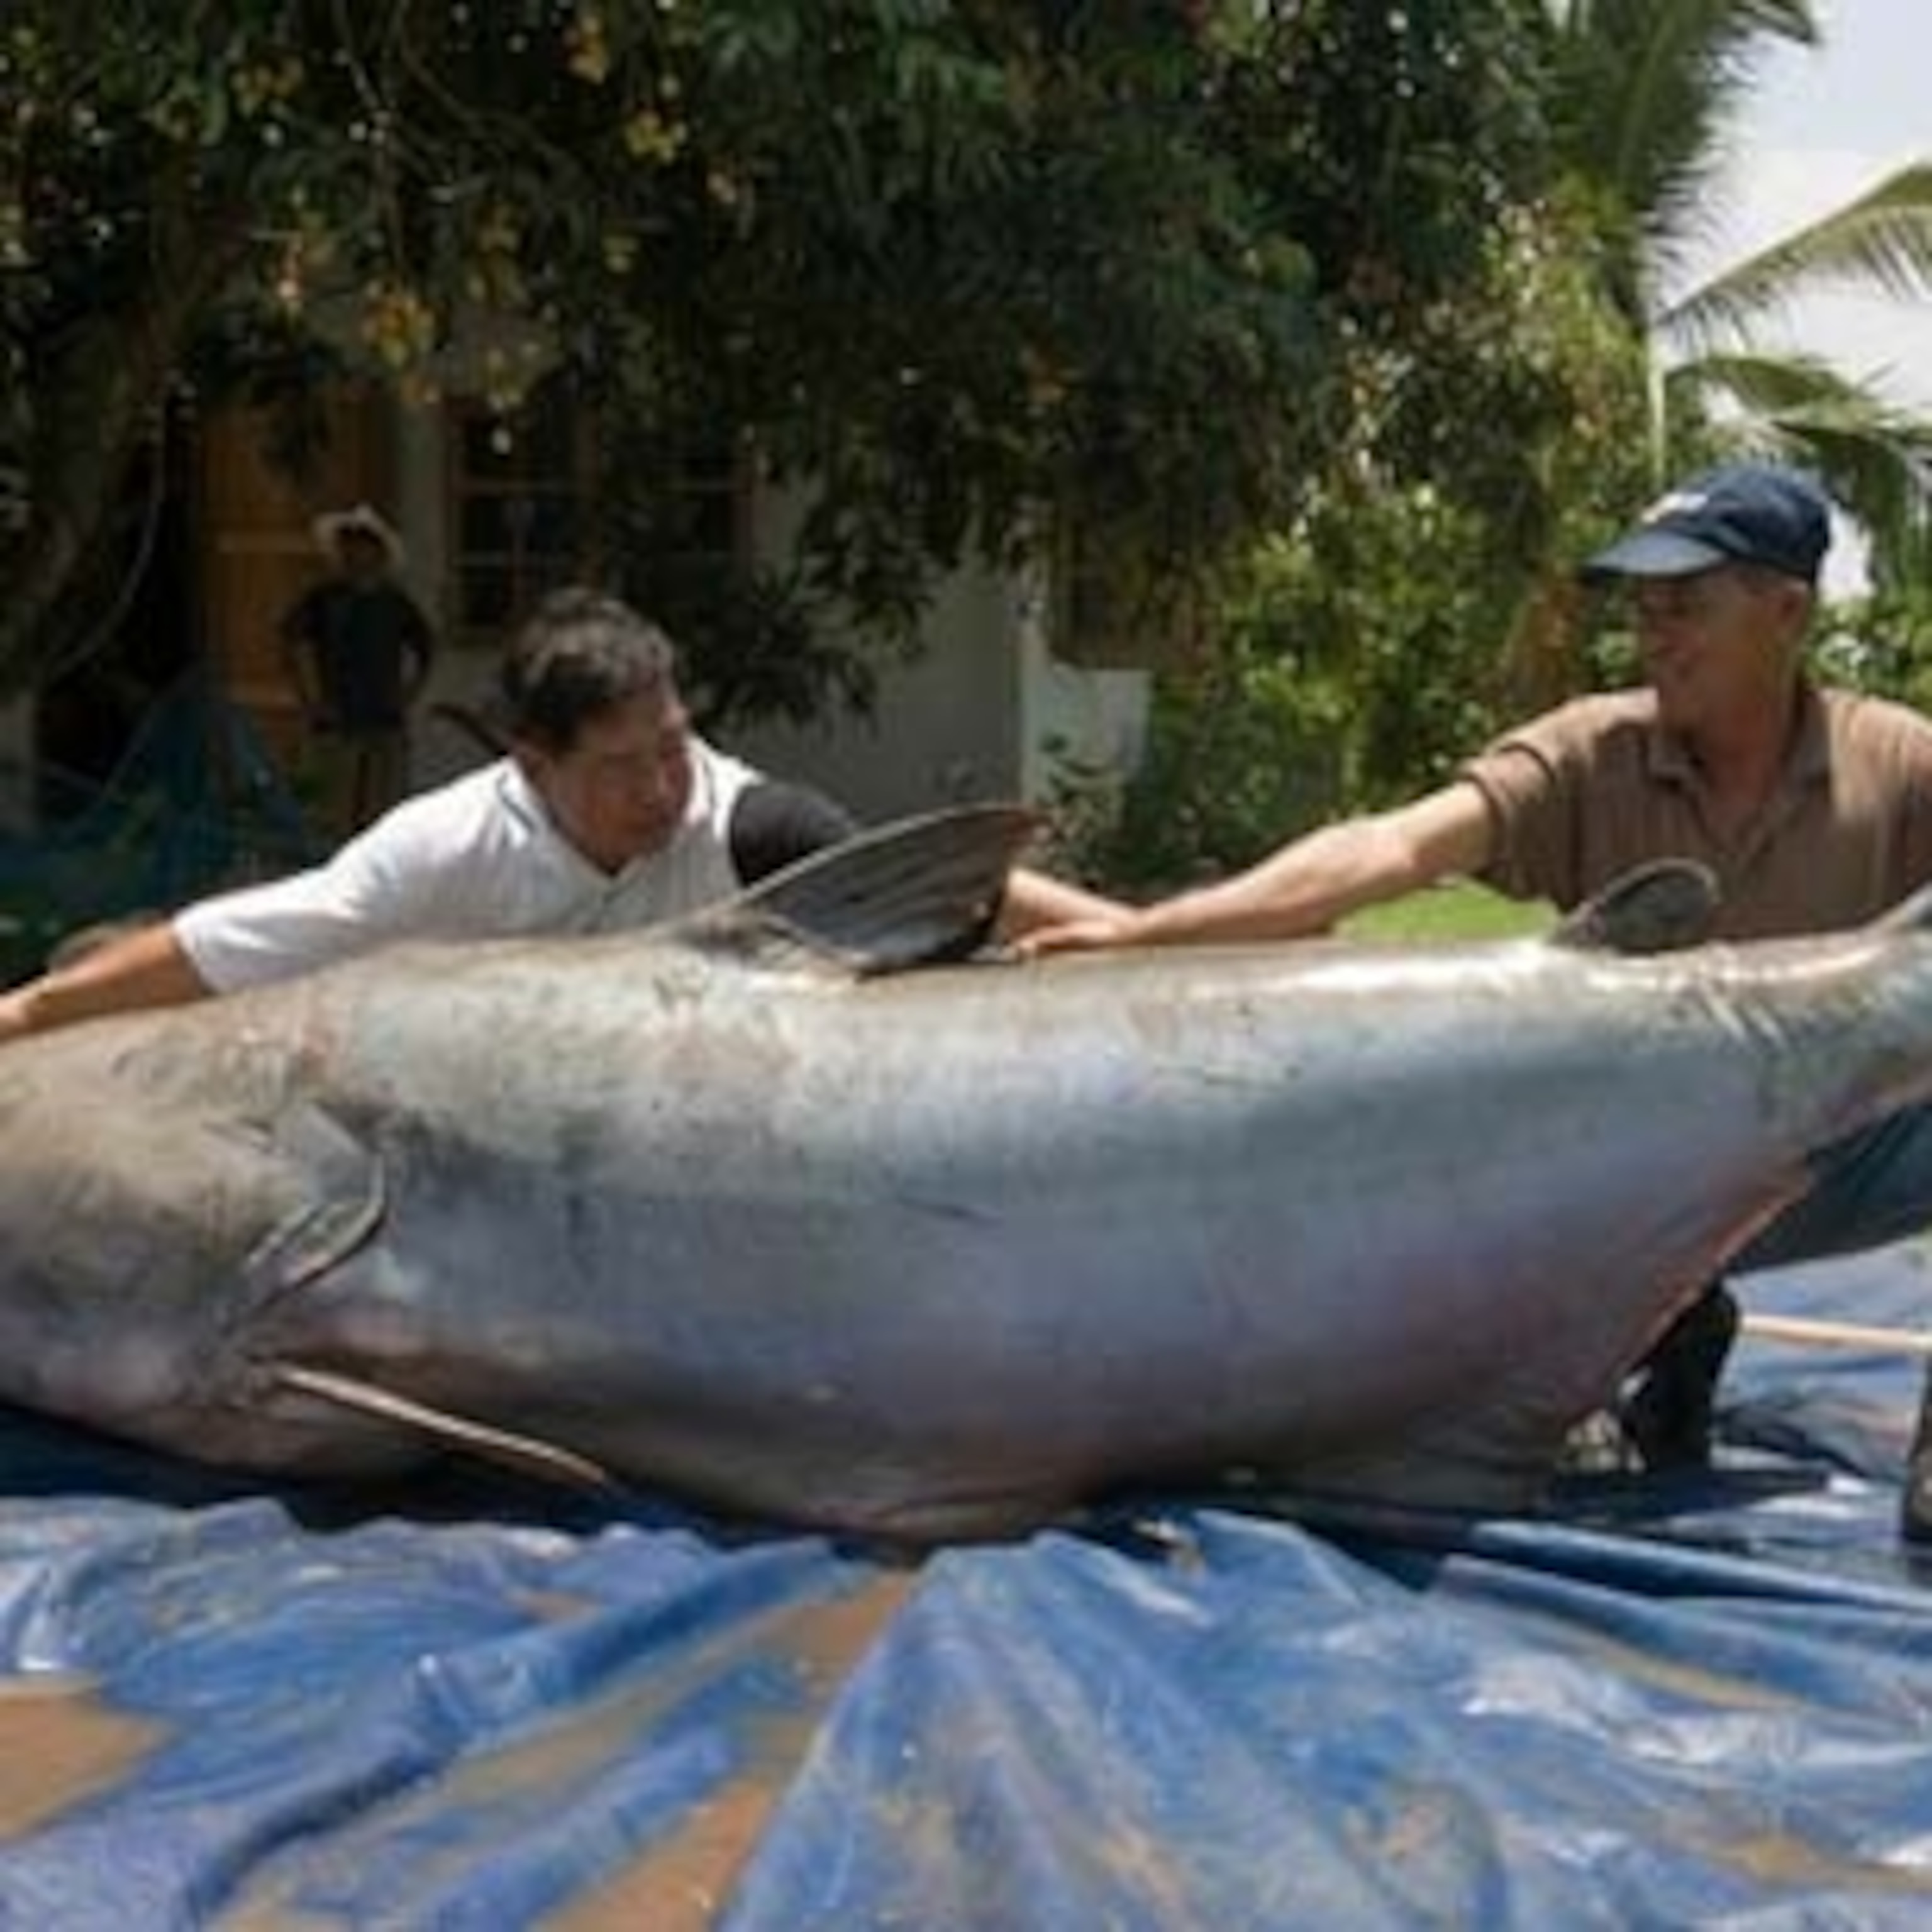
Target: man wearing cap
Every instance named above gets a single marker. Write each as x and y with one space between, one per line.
357 648
1813 806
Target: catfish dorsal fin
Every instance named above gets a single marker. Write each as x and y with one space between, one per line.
1661 907
917 890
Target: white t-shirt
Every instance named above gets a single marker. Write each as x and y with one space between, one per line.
478 858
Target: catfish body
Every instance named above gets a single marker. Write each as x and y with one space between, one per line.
726 1210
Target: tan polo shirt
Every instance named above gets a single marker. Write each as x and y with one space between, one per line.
1587 791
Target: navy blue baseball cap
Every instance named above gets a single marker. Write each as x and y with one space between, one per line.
1757 513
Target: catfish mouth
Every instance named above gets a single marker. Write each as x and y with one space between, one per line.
255 1421
148 1388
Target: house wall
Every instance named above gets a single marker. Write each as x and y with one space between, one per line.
438 750
984 710
947 727
1077 715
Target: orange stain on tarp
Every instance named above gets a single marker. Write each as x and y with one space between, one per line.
60 1744
680 1884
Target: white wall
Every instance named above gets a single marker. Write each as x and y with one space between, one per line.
439 751
947 726
973 716
1097 718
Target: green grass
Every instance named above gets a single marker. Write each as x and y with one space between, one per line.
1440 914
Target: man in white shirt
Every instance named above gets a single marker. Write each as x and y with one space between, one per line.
608 812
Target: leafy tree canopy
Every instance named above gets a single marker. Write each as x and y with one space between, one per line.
964 264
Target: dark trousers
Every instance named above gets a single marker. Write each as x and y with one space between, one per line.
1872 1188
363 774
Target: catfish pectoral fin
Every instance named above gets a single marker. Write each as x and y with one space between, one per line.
343 1196
527 1453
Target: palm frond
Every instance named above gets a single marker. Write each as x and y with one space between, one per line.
1645 92
1886 487
1767 384
1881 241
1874 457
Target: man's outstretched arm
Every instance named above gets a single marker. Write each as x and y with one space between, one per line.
145 968
1307 886
1034 900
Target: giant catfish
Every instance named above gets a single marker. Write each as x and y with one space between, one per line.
769 1211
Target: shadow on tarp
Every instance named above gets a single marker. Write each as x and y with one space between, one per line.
478 1704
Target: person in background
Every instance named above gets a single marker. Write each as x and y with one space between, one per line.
359 651
607 812
1812 805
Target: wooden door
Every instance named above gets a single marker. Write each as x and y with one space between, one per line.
257 547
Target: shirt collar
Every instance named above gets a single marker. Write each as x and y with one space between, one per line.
522 800
1808 761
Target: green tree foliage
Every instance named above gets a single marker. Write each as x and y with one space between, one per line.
1424 592
969 268
1409 608
1882 643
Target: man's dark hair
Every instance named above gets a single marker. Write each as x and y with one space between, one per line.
580 653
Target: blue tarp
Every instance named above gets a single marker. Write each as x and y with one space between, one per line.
1705 1702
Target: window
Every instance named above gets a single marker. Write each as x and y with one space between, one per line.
533 504
682 503
517 496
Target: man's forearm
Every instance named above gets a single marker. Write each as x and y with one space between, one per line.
1301 891
1309 885
1034 899
147 967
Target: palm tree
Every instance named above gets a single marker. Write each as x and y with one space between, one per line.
1645 91
1875 456
1643 94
